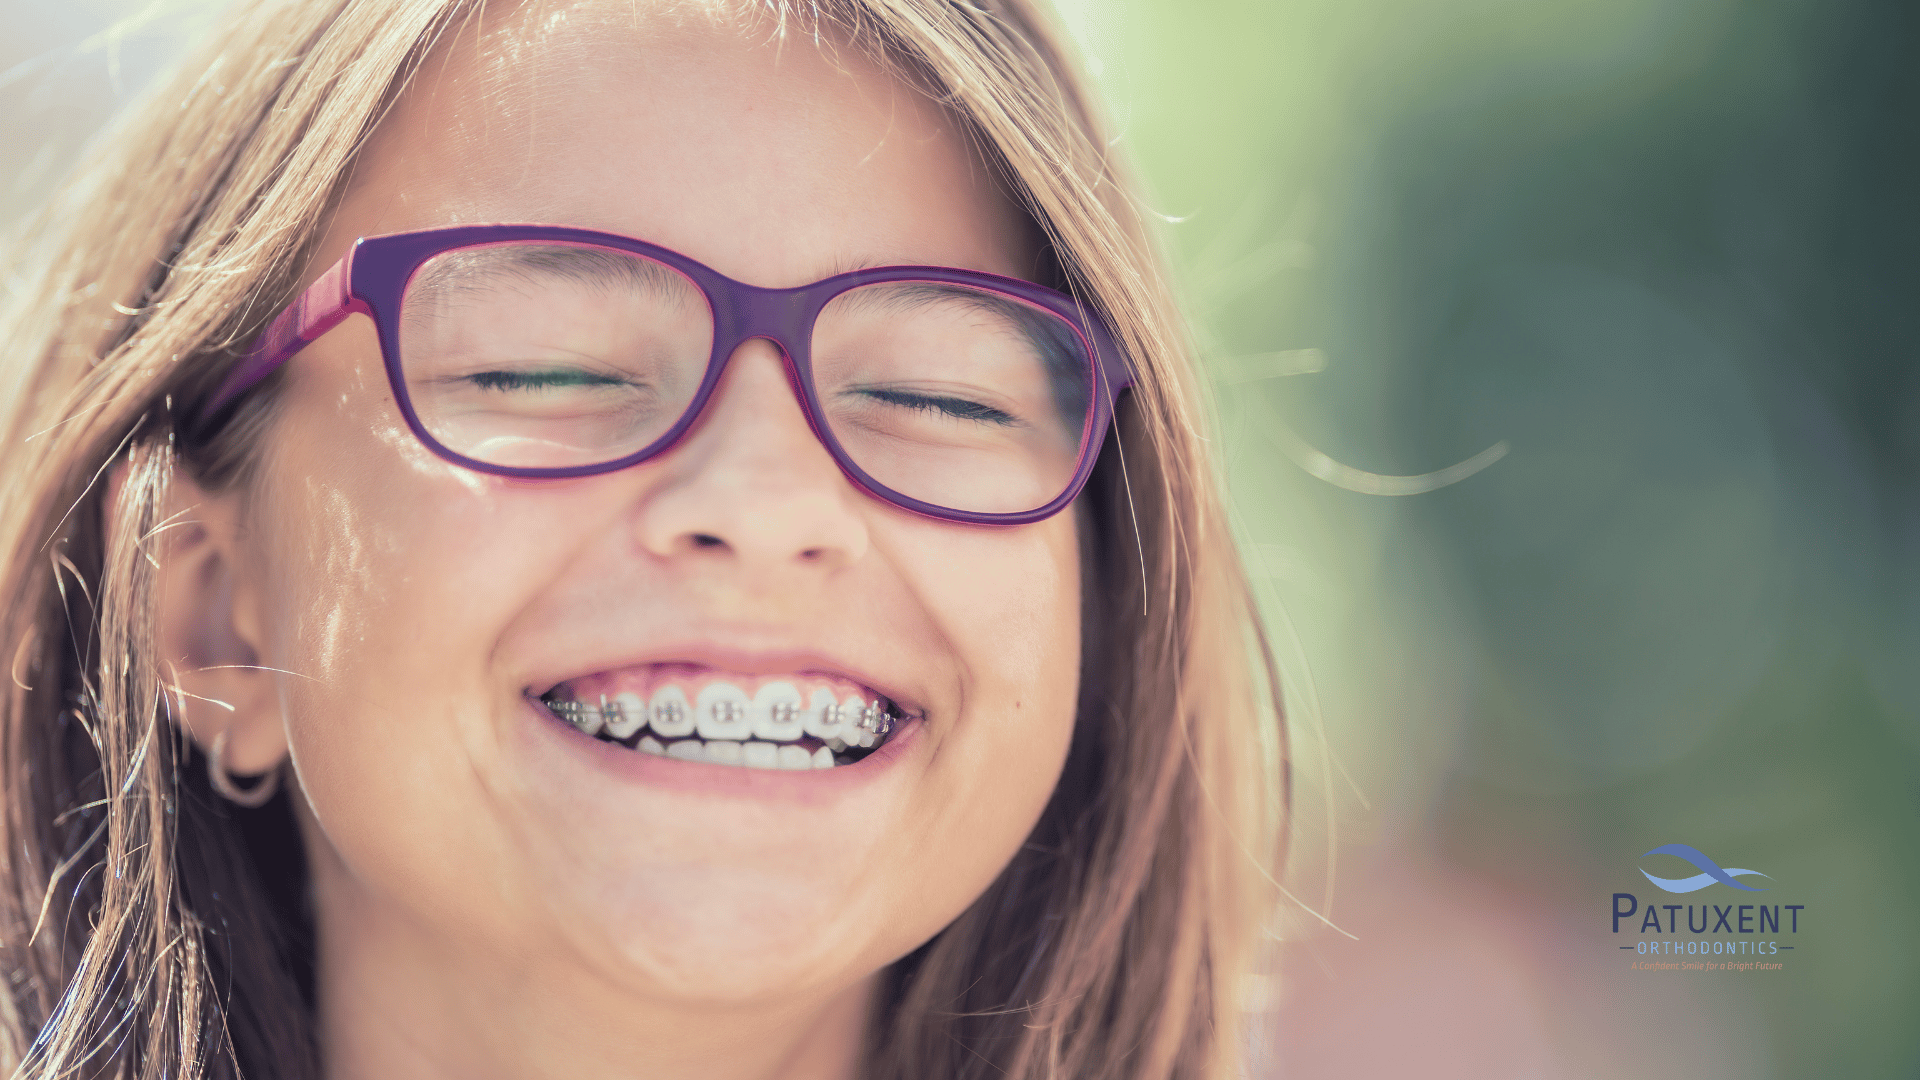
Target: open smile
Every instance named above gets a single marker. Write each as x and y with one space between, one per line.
796 722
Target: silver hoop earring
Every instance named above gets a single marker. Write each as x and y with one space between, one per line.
251 798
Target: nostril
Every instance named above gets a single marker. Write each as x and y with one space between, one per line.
707 540
813 554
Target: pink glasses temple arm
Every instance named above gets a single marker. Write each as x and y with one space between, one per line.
317 310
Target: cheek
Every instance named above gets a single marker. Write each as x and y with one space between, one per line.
371 551
330 510
1009 607
1008 603
358 586
374 545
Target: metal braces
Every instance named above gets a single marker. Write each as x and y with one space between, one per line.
873 717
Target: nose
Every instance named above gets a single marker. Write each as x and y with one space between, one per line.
751 483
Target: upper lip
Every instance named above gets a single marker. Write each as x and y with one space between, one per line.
721 658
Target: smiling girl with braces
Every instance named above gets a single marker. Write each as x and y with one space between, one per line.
409 381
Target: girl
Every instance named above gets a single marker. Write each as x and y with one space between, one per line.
594 539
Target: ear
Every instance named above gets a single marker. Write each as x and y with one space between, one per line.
209 628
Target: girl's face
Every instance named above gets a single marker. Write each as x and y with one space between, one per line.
423 609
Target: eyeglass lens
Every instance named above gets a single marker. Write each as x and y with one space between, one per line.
540 355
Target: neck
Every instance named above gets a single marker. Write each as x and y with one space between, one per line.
402 1001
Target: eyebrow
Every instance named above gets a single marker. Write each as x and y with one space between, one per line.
850 265
469 269
913 295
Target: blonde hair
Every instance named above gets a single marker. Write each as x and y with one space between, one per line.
138 932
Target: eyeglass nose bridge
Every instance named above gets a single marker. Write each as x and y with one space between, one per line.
742 312
783 318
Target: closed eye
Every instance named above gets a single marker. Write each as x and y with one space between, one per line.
540 380
958 408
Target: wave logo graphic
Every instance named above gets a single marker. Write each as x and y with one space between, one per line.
1710 872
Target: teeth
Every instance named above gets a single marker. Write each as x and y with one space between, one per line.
669 713
722 713
760 732
755 754
823 715
627 715
871 717
578 713
777 713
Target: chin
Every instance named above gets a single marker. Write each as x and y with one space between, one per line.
723 935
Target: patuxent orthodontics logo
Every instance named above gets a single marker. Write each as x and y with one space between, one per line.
1735 937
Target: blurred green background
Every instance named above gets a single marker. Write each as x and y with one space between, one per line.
1636 277
1663 251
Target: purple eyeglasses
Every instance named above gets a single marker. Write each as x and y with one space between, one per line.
541 351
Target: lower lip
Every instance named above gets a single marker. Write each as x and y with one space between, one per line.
548 734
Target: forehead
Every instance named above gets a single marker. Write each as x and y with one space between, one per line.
777 158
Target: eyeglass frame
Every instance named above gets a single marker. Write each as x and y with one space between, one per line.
372 279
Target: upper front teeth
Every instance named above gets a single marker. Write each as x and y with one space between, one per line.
724 712
776 712
669 713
